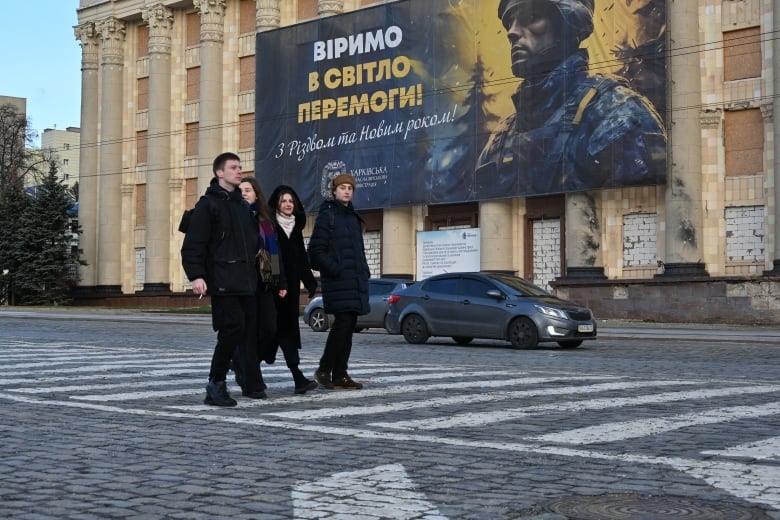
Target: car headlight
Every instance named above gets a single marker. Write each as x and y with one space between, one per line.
552 311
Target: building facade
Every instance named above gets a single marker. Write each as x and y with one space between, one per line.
65 146
167 85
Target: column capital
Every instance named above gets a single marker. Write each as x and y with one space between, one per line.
160 20
212 20
267 15
87 36
328 7
112 39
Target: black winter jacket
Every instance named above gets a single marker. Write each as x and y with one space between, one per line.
221 243
336 251
294 257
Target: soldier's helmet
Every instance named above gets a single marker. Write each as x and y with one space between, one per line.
577 14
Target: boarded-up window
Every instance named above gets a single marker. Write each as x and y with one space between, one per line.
193 29
247 78
193 84
246 131
140 205
143 93
141 147
247 17
190 192
742 54
191 147
142 47
307 9
744 142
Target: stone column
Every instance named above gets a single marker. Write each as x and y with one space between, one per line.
112 39
583 237
683 191
495 235
88 153
158 218
212 33
268 15
774 218
397 243
329 7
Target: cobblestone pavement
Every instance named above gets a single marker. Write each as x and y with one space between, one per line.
103 418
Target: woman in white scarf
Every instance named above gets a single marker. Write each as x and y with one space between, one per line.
290 219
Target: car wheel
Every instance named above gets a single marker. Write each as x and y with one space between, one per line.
573 343
318 320
523 333
462 340
414 330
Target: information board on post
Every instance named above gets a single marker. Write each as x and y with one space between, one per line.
447 251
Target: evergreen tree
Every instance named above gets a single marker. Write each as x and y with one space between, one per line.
45 254
13 203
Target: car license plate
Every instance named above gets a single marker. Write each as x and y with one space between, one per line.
584 328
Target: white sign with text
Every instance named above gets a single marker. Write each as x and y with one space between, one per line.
447 251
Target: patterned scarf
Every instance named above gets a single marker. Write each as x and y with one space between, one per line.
269 246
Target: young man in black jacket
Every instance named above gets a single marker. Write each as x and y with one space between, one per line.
218 256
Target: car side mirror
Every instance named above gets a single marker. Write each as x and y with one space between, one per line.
493 293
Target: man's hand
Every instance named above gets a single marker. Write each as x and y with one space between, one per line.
199 286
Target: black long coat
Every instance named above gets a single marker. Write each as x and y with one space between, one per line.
336 250
296 266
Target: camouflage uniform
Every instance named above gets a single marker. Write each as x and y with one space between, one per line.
573 131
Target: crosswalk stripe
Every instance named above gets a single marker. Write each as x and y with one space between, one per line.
352 395
764 449
477 419
618 431
345 395
471 398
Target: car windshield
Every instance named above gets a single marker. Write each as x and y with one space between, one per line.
518 285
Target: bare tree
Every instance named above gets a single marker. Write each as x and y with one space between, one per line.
17 160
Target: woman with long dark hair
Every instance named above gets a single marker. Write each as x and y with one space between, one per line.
271 276
289 218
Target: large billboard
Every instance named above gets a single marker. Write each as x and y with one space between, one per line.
442 101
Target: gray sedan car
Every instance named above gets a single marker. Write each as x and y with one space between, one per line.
379 291
486 305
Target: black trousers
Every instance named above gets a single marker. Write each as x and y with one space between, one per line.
338 346
266 326
235 320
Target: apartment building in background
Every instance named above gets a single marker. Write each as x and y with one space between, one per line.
168 85
64 145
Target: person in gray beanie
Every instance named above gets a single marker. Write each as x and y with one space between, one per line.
571 130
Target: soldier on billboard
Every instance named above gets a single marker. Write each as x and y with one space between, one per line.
571 130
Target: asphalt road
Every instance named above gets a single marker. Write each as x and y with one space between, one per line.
103 418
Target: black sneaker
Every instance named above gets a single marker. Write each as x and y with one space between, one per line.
217 394
254 394
346 383
305 386
323 378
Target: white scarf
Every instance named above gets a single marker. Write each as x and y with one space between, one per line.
286 223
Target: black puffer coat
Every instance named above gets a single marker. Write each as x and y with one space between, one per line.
221 243
336 251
